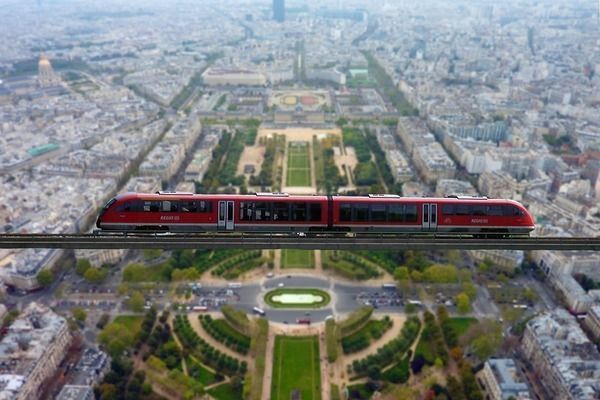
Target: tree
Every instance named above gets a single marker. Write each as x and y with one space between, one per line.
83 264
463 303
442 314
108 391
530 295
470 290
94 275
45 277
79 314
455 389
136 302
485 338
417 364
116 338
456 353
151 254
439 363
402 274
470 386
186 274
134 273
374 372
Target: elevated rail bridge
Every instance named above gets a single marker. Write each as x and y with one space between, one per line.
323 241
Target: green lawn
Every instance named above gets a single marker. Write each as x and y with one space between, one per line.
298 171
461 324
297 258
133 323
296 367
199 372
225 392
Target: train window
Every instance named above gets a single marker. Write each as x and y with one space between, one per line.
188 206
152 206
462 209
281 211
314 211
246 211
262 211
345 212
448 209
204 206
411 213
479 210
494 211
299 211
396 213
170 206
512 211
378 213
125 207
361 212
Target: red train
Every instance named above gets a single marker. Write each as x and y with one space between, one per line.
280 212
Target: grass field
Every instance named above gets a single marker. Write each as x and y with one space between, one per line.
460 324
296 367
298 167
225 392
133 323
297 258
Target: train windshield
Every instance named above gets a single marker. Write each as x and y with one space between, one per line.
110 203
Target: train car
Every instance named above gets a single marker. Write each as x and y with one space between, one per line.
454 214
280 212
186 212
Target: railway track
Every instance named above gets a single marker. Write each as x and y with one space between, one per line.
325 241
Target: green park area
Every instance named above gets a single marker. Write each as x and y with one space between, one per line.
298 167
297 258
296 371
297 298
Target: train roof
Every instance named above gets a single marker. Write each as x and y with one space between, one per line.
285 196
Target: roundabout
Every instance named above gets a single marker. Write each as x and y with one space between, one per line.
297 298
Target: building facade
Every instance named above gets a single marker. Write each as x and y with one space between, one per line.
564 359
35 345
502 380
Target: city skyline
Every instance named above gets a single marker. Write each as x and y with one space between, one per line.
416 99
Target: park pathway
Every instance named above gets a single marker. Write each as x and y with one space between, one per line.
268 376
388 336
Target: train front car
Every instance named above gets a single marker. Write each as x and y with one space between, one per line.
484 217
109 218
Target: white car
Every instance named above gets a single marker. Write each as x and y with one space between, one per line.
281 285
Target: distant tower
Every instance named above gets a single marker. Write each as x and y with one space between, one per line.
46 75
279 10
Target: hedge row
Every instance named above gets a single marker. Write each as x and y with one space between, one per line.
356 320
237 319
391 351
332 333
205 352
224 333
362 338
232 262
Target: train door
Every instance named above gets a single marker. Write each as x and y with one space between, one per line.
225 220
429 219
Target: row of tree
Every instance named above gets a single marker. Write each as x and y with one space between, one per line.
205 352
222 332
390 352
